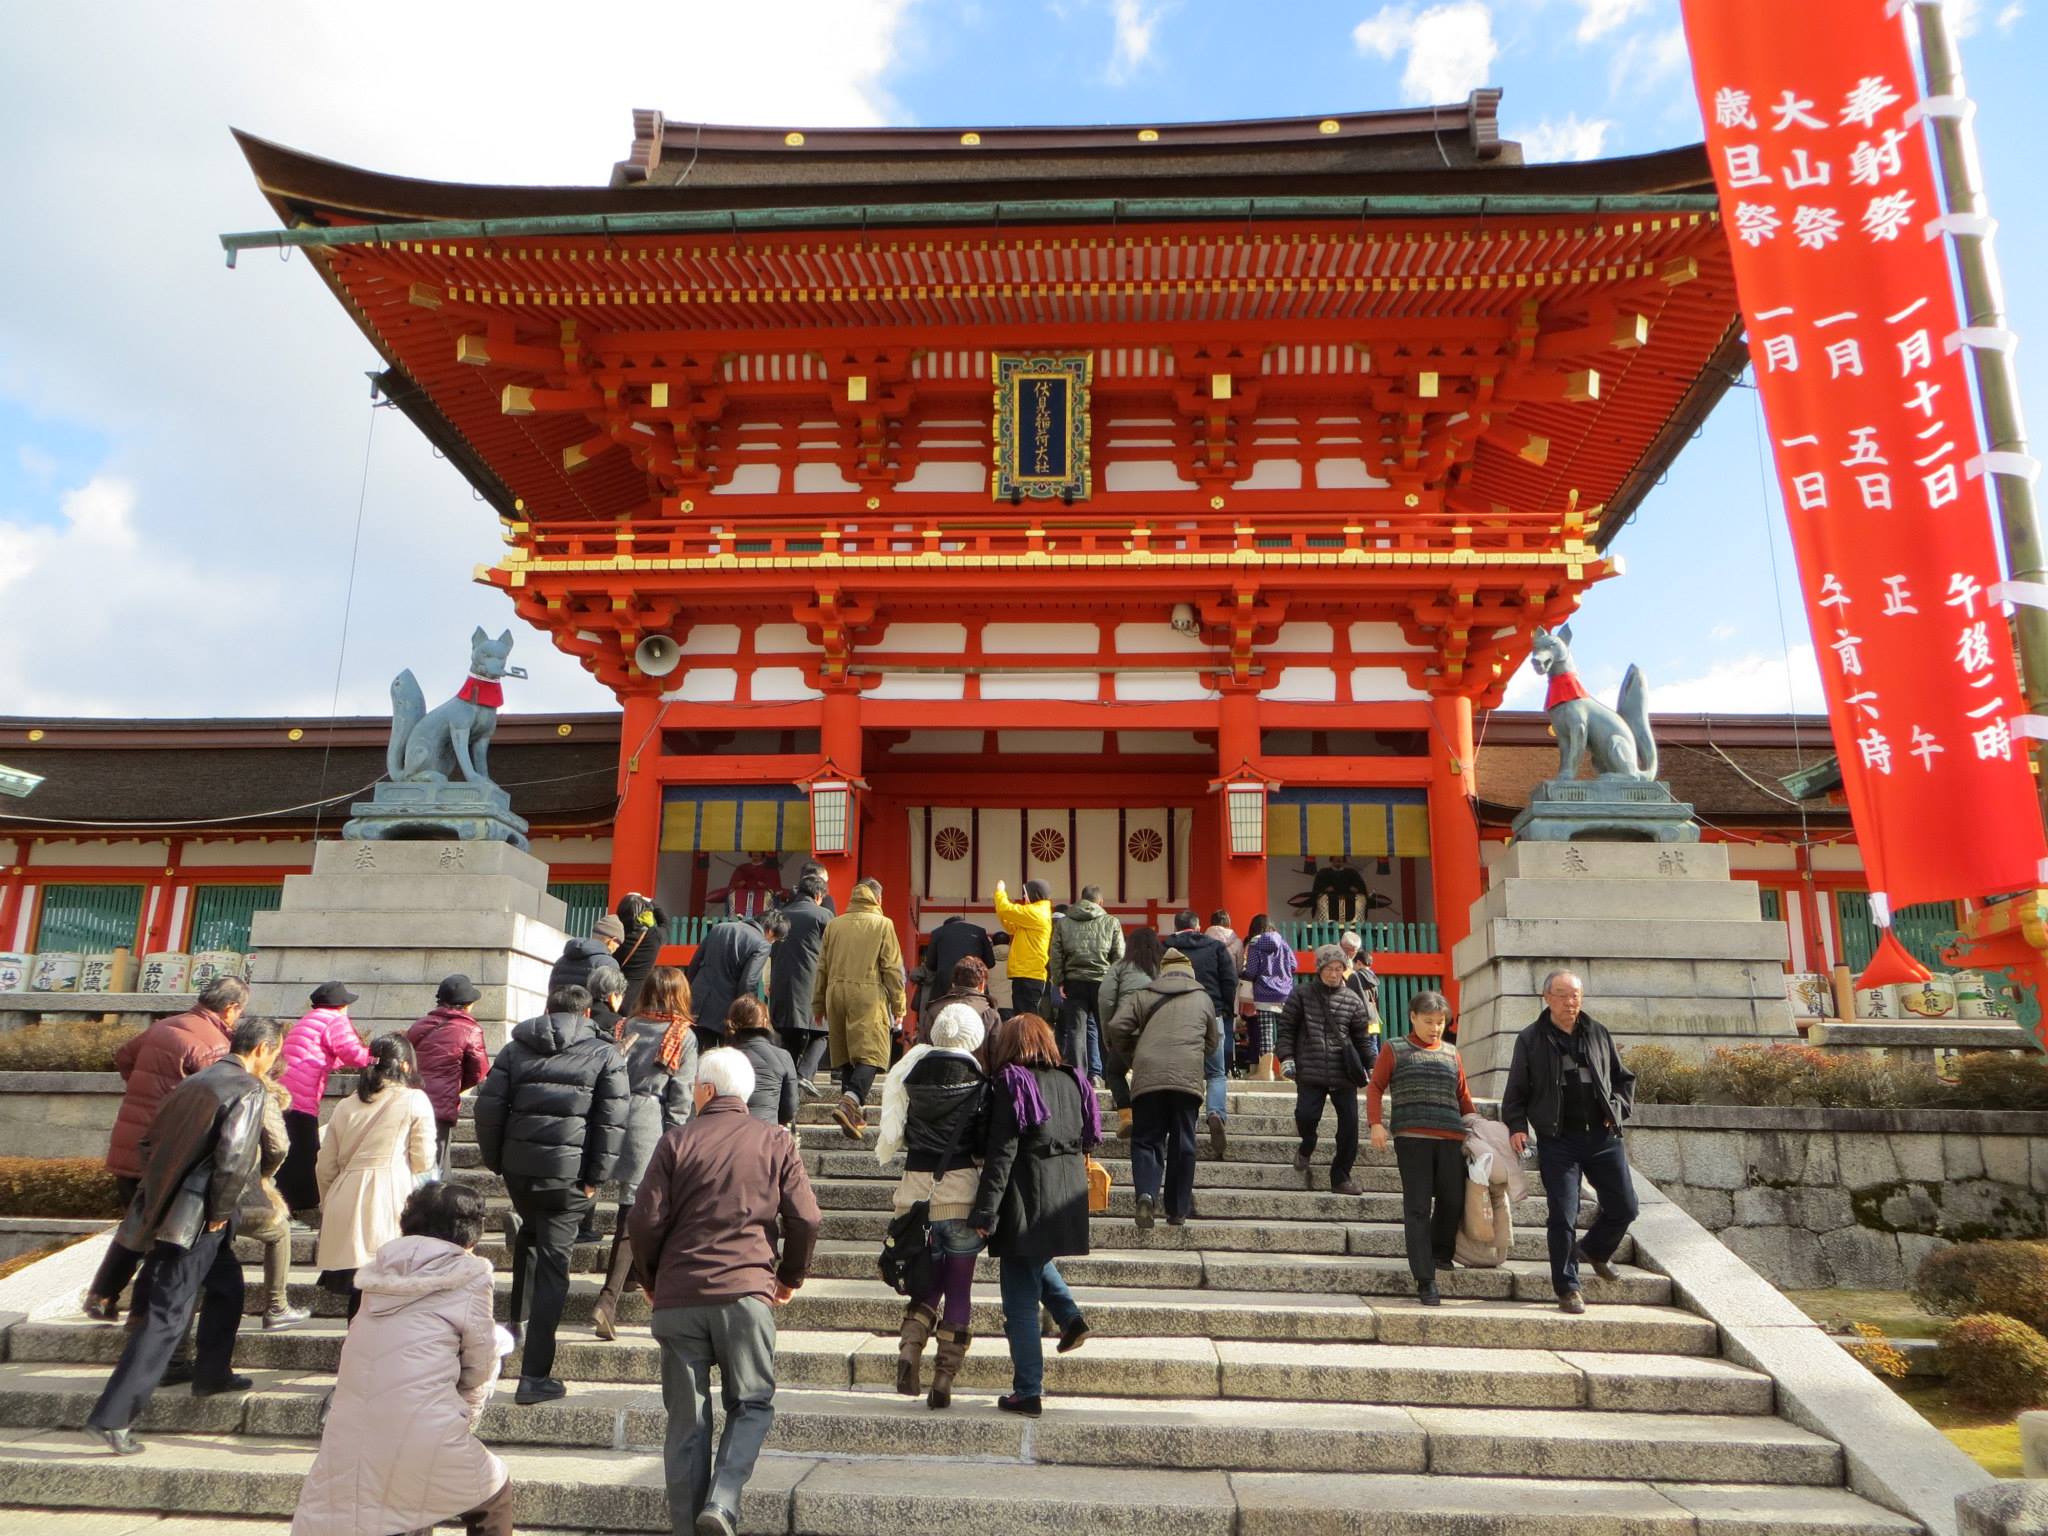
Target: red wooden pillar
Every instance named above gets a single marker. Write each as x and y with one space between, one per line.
839 738
1241 883
636 829
11 885
1453 823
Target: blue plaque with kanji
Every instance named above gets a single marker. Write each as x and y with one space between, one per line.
1041 427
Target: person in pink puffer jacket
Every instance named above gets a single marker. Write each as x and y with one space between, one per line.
322 1040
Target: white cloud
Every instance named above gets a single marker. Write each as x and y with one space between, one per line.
1755 684
1136 23
1450 48
1722 632
1964 15
1567 140
2010 15
1645 60
1599 17
202 572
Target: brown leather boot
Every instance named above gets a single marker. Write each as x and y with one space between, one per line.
918 1322
618 1270
1123 1124
951 1352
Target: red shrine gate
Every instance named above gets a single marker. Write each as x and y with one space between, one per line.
1205 482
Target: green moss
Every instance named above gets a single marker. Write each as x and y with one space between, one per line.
1896 1313
1989 1439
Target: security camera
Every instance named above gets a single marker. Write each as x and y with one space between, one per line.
1184 618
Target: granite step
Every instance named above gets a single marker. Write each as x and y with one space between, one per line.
251 1475
1477 1353
1110 1432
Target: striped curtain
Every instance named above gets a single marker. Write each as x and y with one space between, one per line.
1367 824
734 819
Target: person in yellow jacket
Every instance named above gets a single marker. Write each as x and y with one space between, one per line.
859 993
1029 925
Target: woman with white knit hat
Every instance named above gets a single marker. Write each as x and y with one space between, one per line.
934 1102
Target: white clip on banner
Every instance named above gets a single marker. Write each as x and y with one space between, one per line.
1981 225
1880 909
2021 466
2035 727
1981 338
1959 107
2026 594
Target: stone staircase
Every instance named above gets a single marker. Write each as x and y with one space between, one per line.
1265 1369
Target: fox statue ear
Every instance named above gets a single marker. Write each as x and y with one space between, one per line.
477 636
1564 633
1539 633
506 639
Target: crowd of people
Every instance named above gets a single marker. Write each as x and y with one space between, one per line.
675 1093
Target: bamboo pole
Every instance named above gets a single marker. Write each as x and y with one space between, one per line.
1998 395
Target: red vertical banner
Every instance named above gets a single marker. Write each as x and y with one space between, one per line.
1829 200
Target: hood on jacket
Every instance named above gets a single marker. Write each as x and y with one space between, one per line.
1173 980
552 1033
589 948
863 900
1085 911
407 1268
1189 942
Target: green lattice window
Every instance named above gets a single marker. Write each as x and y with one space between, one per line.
586 902
90 919
1921 929
1773 904
221 914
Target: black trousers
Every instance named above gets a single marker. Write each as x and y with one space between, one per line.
118 1265
1077 1009
856 1078
207 1275
1027 995
1602 1158
1163 1148
1432 1200
807 1049
548 1218
296 1180
1309 1099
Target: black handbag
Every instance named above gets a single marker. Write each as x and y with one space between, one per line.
909 1258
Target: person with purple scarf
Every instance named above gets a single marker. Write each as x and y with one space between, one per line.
1032 1202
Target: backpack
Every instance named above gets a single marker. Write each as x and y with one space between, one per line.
1272 964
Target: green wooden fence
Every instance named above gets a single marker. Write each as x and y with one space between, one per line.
90 919
586 901
1380 938
1922 930
222 914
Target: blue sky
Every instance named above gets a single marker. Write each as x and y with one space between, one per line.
182 448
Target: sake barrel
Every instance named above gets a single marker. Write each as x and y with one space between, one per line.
165 972
56 971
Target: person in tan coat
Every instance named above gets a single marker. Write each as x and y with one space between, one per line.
399 1451
263 1215
380 1139
860 995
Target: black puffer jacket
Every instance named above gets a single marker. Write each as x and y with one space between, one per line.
948 1095
643 943
1313 1023
579 958
1214 968
554 1106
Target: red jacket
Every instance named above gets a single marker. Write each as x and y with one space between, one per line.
450 1047
152 1064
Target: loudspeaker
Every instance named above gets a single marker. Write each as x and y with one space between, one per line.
657 655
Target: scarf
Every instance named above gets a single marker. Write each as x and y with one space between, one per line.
1564 687
1029 1105
672 1038
487 691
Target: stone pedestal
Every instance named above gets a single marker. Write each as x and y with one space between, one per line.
390 919
1672 951
453 810
1608 807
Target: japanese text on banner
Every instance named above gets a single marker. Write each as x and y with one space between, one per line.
1828 191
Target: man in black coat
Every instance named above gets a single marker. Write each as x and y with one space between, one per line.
1317 1020
951 942
730 963
1567 1083
646 930
580 956
551 1119
200 1154
793 972
1217 973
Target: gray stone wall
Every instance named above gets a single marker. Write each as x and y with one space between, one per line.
71 1114
1846 1197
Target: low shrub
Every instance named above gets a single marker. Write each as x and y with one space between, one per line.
65 1187
1996 1080
2005 1276
60 1047
1995 1362
1662 1075
1878 1353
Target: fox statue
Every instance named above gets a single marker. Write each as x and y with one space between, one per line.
431 747
1618 740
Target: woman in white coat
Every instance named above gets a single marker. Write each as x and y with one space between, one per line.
379 1142
399 1450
